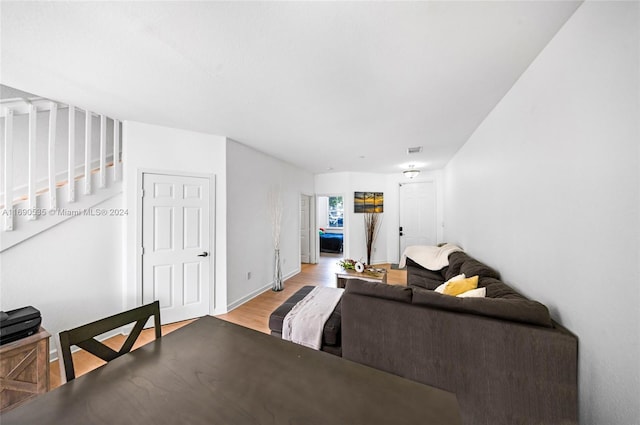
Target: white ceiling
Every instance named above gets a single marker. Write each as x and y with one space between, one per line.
341 85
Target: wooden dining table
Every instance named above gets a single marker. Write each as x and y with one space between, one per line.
215 372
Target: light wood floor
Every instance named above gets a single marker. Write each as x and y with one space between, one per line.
253 314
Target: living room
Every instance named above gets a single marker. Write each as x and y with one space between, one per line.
545 188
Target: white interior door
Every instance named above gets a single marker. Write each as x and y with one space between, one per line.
418 220
176 260
305 240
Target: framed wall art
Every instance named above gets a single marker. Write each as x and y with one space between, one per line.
368 202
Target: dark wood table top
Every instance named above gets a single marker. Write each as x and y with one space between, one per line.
216 372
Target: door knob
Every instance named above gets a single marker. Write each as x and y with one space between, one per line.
204 254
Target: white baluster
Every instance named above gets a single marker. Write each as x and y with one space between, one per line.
8 170
31 191
53 116
71 172
116 151
87 153
103 151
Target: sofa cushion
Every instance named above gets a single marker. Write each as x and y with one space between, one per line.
331 332
379 290
440 289
472 267
457 287
419 276
455 263
474 293
499 289
518 310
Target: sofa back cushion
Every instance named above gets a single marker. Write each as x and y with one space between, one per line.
379 290
499 289
514 309
423 278
455 263
472 267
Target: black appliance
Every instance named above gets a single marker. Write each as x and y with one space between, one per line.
19 323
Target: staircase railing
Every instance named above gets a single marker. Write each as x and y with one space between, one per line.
32 187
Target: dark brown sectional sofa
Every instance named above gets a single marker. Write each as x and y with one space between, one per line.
503 356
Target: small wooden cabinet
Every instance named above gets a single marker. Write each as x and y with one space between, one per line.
24 369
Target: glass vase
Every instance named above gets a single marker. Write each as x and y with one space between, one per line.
277 273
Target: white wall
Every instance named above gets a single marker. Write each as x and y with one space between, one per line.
387 243
547 191
72 272
154 148
250 177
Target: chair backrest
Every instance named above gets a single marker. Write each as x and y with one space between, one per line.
83 336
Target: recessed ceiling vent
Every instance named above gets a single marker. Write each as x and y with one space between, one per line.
417 149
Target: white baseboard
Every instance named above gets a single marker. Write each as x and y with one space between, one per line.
259 291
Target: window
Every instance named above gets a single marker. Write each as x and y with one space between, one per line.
335 211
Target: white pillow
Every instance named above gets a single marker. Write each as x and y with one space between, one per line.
474 293
440 289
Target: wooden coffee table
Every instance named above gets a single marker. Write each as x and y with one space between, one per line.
377 275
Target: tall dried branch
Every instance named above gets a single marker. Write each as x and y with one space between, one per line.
371 227
275 211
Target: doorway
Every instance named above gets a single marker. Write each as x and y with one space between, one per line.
418 215
176 244
331 225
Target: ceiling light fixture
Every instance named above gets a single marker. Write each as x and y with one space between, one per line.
411 172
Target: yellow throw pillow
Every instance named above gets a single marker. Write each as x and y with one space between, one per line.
440 288
458 287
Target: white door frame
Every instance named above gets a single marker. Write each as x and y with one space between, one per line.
313 239
212 245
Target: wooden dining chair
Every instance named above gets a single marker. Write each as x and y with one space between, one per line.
84 336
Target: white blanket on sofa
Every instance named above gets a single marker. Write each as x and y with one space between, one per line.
305 322
430 257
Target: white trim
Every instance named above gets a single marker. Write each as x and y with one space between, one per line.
103 151
8 170
87 152
116 151
42 185
47 219
31 191
53 116
259 291
313 230
71 156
